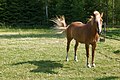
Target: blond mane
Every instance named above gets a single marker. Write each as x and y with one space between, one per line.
90 19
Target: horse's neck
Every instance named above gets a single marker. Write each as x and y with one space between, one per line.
91 28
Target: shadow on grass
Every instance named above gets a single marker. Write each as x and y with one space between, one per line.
109 78
116 51
45 66
9 36
113 34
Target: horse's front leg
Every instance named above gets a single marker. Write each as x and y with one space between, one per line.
93 53
87 55
75 48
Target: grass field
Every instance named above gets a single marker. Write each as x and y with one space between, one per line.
39 54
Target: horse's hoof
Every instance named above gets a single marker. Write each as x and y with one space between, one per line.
67 59
75 58
88 65
93 65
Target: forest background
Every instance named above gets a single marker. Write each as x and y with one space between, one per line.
39 12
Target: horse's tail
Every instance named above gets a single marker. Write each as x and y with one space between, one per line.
60 23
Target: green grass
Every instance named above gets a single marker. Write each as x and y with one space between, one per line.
39 54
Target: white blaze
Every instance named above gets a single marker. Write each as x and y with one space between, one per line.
99 26
98 19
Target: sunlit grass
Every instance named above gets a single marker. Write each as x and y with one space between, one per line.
39 54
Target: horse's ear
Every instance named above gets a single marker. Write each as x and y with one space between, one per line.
101 14
91 16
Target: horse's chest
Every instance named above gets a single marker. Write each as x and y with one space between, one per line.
92 39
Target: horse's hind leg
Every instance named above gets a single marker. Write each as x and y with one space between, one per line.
75 48
68 46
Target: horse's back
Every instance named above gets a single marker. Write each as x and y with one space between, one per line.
77 24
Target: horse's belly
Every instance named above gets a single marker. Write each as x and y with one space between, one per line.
80 39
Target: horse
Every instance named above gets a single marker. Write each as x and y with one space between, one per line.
87 34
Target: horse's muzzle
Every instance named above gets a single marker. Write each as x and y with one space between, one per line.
98 31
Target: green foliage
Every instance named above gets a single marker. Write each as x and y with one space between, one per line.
33 12
26 12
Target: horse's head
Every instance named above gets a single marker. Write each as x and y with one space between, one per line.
98 21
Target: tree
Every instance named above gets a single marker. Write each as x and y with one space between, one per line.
33 12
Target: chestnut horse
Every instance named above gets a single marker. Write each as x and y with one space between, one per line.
82 33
